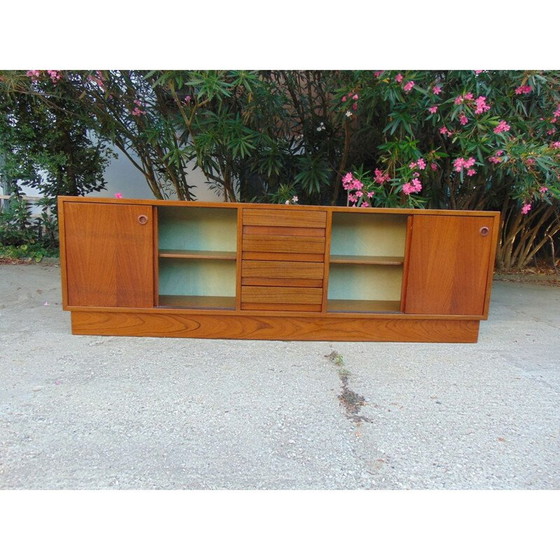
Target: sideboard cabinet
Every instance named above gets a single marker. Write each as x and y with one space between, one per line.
275 272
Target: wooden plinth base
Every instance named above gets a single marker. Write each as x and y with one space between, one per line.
396 328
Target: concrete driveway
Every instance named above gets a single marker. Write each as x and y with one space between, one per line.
146 413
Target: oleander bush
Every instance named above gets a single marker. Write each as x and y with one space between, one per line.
434 139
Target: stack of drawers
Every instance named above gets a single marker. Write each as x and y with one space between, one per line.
283 260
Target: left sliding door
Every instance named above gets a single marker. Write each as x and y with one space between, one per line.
108 253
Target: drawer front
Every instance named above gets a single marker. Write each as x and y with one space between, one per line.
282 273
262 243
286 218
281 298
282 266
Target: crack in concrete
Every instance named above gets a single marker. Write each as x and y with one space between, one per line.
349 399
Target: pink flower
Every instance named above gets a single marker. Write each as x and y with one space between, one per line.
355 97
118 195
543 190
471 172
443 130
503 126
399 78
380 177
526 208
458 100
555 145
408 86
469 96
355 106
413 187
460 163
551 131
437 90
433 109
433 166
344 99
54 75
421 164
187 99
557 112
463 119
378 73
365 203
523 89
33 74
137 112
481 105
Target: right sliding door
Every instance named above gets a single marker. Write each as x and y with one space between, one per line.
450 261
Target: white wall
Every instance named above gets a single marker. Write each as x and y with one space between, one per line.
122 177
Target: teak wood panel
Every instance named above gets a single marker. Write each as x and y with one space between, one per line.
109 255
283 244
449 264
284 217
271 327
282 265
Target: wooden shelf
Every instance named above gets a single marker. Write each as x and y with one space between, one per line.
363 306
197 302
365 259
188 254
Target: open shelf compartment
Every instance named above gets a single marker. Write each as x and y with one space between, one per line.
197 264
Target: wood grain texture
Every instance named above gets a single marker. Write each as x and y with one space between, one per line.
284 217
281 294
282 269
272 327
109 256
283 244
448 265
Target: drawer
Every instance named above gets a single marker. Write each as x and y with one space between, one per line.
282 273
283 244
265 298
284 218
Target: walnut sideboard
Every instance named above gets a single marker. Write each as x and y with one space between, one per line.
275 272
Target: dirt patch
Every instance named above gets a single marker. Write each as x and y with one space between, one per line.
533 275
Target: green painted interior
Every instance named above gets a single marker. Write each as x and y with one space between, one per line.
193 277
366 234
199 229
369 282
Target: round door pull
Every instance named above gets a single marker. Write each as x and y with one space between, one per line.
142 219
484 231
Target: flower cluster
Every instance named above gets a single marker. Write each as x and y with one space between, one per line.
380 177
353 97
54 75
137 111
496 158
481 105
526 208
414 186
461 163
293 200
420 164
408 86
503 126
358 193
523 89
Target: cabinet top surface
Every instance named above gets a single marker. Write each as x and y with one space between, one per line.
272 207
